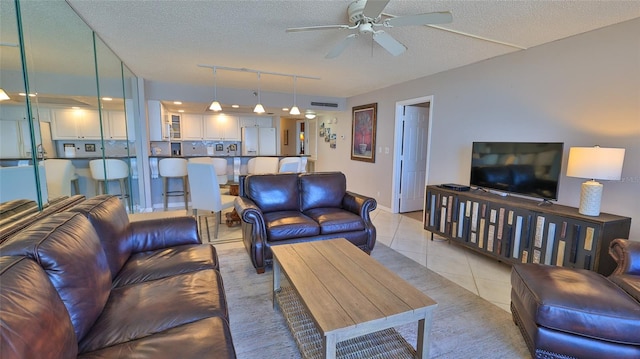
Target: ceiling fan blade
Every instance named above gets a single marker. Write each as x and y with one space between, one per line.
373 8
321 27
390 44
337 50
420 19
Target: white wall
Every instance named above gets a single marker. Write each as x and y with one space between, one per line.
583 91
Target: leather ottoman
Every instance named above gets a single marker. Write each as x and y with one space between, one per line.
570 313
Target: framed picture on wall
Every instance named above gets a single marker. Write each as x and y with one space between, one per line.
363 134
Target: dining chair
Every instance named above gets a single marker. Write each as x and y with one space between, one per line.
205 193
60 175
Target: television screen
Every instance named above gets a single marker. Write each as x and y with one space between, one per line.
526 168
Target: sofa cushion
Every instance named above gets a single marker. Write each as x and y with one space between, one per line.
138 310
629 283
322 190
576 301
336 220
206 338
28 315
161 263
110 219
289 224
67 247
274 192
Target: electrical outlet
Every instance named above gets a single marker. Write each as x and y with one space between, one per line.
386 150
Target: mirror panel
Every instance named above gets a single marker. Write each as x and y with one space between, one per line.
68 71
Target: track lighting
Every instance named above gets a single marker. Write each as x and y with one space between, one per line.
259 108
215 105
294 110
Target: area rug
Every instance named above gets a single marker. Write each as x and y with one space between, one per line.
464 326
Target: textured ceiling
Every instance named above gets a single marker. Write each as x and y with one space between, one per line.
165 40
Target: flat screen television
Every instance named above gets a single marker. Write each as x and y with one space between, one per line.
526 168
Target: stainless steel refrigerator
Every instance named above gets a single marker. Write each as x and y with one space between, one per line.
259 141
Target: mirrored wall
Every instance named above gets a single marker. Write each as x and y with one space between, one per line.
68 124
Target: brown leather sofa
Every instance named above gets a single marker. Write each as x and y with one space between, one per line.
574 313
87 283
289 208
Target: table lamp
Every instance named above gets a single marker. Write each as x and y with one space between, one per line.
594 163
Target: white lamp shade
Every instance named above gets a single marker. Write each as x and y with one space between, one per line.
294 110
3 95
259 109
595 163
215 106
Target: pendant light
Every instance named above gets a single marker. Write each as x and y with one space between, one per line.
3 95
215 105
259 108
294 110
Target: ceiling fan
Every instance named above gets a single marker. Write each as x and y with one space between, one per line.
366 15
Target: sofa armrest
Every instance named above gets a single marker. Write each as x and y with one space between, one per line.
155 234
627 254
359 204
254 231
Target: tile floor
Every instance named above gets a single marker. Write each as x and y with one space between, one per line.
481 275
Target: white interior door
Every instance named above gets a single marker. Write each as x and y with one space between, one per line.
413 157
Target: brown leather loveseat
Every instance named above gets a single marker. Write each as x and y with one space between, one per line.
87 283
289 208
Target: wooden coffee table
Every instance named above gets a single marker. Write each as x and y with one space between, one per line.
348 294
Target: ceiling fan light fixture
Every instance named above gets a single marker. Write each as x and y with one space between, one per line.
310 115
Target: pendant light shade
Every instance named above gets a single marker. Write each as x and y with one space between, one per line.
294 110
215 105
3 95
259 108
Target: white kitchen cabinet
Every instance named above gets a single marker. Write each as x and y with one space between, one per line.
71 124
15 130
258 121
191 127
221 127
117 125
10 144
159 121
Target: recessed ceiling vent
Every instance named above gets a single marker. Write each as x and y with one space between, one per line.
324 104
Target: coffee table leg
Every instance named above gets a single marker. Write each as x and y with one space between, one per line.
424 331
276 282
330 346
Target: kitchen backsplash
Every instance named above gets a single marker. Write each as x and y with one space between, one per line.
82 149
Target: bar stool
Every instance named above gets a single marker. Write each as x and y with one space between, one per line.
174 168
220 164
289 164
116 170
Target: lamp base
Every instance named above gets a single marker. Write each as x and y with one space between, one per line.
590 196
